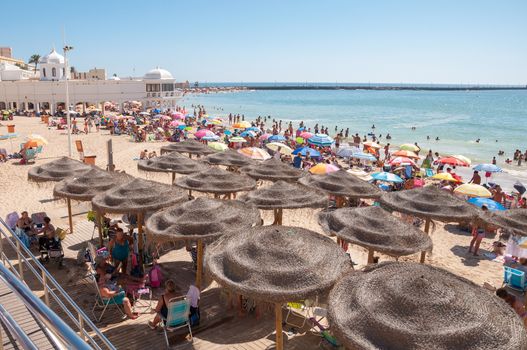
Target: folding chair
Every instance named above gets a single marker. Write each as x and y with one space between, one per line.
101 302
177 317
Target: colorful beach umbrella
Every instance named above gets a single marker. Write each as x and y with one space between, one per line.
304 151
473 190
444 177
248 134
217 146
254 153
463 158
204 132
237 139
409 147
364 156
279 147
276 138
323 168
489 203
401 161
241 125
37 139
452 161
387 177
372 144
320 140
345 152
264 137
489 168
405 153
176 123
306 135
254 128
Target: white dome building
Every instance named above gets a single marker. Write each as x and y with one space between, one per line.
53 67
158 74
160 88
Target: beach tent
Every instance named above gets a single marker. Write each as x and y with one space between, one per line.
253 263
272 170
285 195
201 220
376 230
404 305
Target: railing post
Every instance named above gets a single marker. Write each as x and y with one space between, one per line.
20 267
2 249
81 327
45 286
1 339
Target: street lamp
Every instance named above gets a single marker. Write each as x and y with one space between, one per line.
68 119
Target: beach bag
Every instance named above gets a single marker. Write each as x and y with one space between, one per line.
23 237
156 276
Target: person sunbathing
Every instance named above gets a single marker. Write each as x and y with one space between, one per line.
25 223
108 289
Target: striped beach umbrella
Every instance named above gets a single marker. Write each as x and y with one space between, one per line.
254 153
320 140
237 139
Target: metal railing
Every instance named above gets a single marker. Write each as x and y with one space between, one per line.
14 329
51 288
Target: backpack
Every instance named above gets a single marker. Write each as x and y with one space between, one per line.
156 276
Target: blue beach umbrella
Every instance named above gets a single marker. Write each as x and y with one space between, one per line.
253 128
227 132
276 138
345 152
320 140
489 203
490 168
211 138
365 156
248 134
305 150
387 177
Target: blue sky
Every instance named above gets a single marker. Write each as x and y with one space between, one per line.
411 41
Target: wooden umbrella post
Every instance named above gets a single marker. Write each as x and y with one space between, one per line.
427 231
370 255
98 217
280 215
173 178
70 218
199 270
140 236
279 334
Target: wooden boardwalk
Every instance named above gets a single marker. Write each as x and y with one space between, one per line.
221 326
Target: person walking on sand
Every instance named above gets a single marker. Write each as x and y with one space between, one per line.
478 233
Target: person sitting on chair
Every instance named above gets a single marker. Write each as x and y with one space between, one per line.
48 240
161 307
25 223
108 289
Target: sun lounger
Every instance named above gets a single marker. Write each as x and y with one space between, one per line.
177 317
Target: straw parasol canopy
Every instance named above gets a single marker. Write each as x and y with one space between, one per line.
285 195
85 186
202 218
276 263
430 202
413 306
272 170
57 170
375 228
216 181
514 220
342 183
138 196
173 162
187 146
228 158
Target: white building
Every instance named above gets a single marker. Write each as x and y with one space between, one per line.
18 91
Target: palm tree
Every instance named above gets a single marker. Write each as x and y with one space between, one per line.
34 59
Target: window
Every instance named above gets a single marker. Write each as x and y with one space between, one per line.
168 87
63 72
53 72
152 87
44 72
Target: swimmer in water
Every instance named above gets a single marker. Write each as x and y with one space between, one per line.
373 126
437 138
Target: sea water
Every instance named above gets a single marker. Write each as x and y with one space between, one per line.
458 118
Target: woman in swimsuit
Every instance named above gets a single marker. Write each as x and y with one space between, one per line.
120 248
162 308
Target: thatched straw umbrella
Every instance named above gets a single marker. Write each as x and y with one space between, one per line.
216 181
85 186
376 230
188 146
284 195
430 203
410 306
276 264
58 170
228 158
201 220
342 184
137 197
272 170
173 162
514 220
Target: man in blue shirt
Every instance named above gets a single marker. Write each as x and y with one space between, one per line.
297 161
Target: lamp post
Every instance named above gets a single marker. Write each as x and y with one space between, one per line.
68 118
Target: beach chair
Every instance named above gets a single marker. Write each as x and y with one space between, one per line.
298 313
177 317
514 279
29 156
11 220
100 301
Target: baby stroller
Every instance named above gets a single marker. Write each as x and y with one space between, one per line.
51 248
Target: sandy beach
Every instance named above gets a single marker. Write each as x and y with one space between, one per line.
450 243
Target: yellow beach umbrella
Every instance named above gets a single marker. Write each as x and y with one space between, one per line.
40 140
473 190
409 147
218 146
445 177
277 146
242 125
323 168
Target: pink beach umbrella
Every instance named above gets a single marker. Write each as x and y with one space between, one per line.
402 161
176 123
178 115
204 132
264 137
306 135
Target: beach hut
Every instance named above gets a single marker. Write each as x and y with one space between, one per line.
137 197
410 306
342 184
229 158
216 181
172 163
272 170
85 186
276 264
376 230
284 195
201 220
188 146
